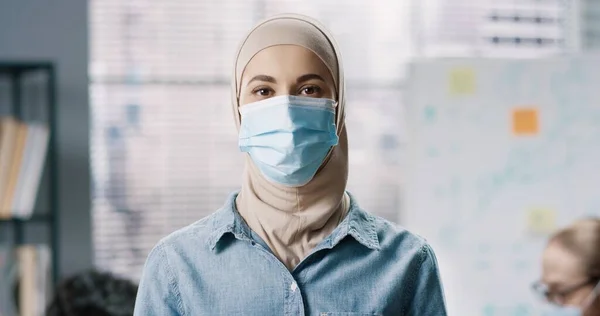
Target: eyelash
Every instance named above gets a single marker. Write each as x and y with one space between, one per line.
316 88
258 90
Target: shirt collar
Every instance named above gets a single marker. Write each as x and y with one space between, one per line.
228 221
358 224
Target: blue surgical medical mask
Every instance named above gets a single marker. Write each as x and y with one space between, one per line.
556 310
288 137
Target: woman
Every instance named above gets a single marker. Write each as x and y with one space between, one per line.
571 270
292 241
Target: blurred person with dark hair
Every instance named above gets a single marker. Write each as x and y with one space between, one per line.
571 270
94 293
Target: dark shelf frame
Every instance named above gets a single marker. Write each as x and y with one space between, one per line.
16 69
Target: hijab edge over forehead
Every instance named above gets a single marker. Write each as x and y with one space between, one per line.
299 35
242 70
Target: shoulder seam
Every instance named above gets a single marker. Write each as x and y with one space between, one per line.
422 257
172 283
192 230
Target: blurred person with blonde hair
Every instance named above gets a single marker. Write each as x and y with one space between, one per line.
571 270
292 241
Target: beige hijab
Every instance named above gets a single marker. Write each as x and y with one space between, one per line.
292 221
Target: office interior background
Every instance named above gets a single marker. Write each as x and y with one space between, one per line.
145 140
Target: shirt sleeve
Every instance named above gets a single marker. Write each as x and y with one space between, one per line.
158 292
428 299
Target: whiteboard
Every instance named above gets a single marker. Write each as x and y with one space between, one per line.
502 153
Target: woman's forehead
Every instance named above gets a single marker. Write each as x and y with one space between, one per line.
561 266
284 60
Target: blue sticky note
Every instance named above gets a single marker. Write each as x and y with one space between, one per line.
432 152
429 114
489 310
522 310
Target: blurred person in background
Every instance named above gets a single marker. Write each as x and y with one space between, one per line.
571 270
93 293
292 241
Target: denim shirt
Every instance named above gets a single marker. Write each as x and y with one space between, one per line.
217 266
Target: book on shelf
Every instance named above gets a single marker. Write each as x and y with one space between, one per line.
23 149
25 280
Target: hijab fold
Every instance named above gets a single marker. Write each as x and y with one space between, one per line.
293 221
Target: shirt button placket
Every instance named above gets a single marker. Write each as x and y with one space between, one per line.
295 299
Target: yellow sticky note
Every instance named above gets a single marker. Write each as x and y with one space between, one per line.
462 81
541 221
525 121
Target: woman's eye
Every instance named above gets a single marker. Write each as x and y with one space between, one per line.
264 92
310 90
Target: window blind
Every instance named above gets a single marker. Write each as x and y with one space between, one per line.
163 142
509 29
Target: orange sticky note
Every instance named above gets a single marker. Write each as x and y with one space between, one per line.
525 121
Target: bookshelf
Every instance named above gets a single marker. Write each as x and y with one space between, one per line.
16 72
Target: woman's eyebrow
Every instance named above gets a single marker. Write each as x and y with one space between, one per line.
308 77
262 78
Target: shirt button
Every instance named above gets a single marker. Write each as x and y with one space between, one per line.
294 286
